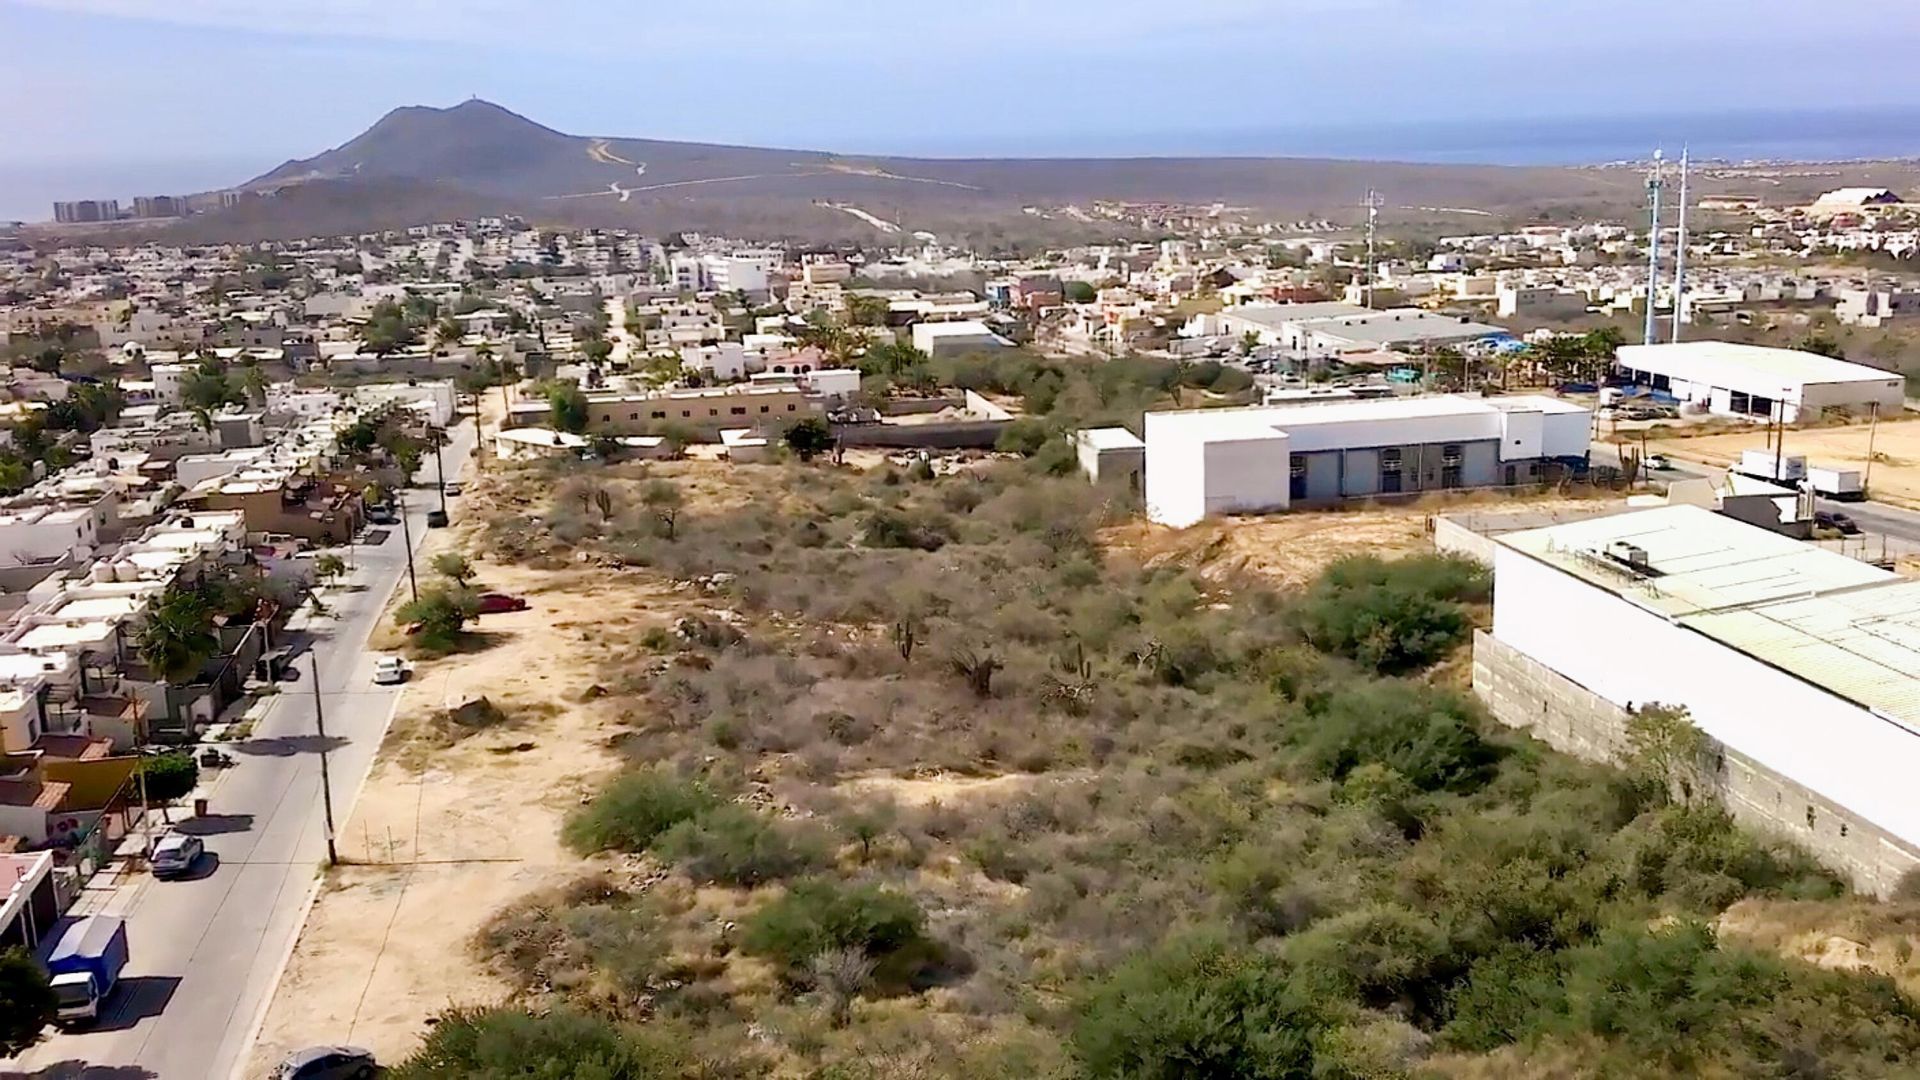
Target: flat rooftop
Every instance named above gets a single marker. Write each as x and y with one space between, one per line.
1261 420
1845 626
1727 364
1111 438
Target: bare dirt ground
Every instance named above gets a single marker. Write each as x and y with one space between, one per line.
456 823
1860 936
1290 550
1896 453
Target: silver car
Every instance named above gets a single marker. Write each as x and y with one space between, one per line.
327 1063
175 855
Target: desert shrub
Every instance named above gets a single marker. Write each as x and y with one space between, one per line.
1381 956
1231 381
511 1044
734 845
819 916
633 809
897 529
1392 616
1197 1008
1428 736
590 941
1697 856
1024 436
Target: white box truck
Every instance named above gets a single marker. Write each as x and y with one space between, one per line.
1836 483
1788 469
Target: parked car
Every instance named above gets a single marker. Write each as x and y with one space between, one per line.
175 855
327 1063
494 603
382 515
388 670
452 488
436 519
1839 522
1658 461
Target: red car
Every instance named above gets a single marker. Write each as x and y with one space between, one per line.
494 603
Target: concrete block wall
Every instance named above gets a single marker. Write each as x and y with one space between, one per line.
1525 694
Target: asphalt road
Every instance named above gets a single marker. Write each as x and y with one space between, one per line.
207 950
1873 517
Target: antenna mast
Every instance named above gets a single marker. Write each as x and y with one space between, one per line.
1654 182
1680 250
1373 215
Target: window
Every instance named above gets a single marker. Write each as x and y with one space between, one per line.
1450 454
738 410
686 412
764 408
1390 470
713 412
633 416
659 415
789 408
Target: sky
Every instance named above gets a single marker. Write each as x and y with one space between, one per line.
169 90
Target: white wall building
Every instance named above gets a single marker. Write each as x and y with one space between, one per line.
1206 462
1763 383
1803 664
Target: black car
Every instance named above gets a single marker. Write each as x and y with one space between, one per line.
327 1063
382 515
1842 523
436 519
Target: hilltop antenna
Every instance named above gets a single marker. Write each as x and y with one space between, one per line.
1655 180
1372 205
1680 249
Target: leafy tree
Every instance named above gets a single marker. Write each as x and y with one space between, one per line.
455 566
1024 436
441 613
1080 292
1200 1007
328 567
208 387
27 1004
809 438
567 408
864 309
631 812
253 384
1664 749
169 777
1392 616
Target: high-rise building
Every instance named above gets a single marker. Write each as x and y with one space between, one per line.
86 210
159 206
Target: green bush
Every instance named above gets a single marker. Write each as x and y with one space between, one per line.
1024 436
510 1044
1197 1008
1429 737
631 812
1392 616
734 845
818 916
898 529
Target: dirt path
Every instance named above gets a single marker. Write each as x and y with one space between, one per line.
455 823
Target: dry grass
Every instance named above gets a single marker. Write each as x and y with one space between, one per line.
1896 452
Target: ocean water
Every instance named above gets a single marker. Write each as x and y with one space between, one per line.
27 191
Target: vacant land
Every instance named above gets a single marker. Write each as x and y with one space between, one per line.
882 773
1896 453
461 814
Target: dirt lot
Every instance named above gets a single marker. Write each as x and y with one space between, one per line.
456 823
1896 453
1291 549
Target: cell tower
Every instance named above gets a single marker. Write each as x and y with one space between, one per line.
1655 181
1372 205
1680 249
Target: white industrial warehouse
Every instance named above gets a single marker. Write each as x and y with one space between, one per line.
1203 462
1785 385
1802 663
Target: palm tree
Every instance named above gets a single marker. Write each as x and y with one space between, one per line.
253 382
509 374
178 636
203 418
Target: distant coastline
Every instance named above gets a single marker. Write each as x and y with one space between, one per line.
1823 136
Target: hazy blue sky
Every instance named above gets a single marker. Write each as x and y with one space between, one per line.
260 79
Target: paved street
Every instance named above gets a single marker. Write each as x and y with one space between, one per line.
207 951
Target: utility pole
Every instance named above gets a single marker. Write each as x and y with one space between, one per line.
1654 182
1373 216
1780 440
1680 249
406 537
439 465
1873 423
326 778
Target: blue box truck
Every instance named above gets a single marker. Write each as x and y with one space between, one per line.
85 965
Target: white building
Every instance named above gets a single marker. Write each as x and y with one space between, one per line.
957 338
1111 455
1751 380
1205 462
1801 663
